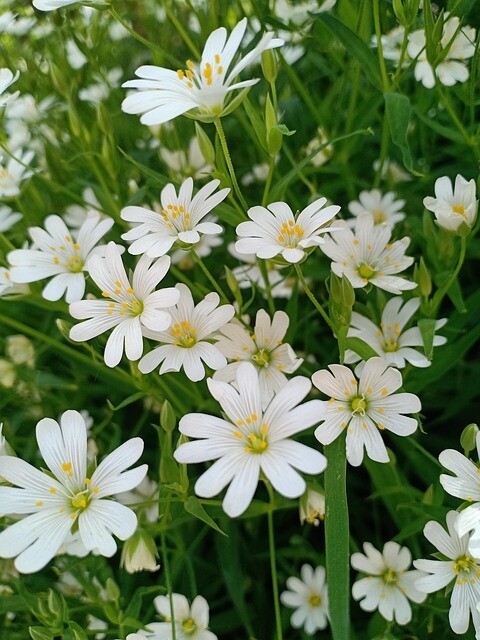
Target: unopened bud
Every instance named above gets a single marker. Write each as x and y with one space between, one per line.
270 115
139 553
167 417
468 439
312 506
399 12
269 65
113 592
206 147
422 277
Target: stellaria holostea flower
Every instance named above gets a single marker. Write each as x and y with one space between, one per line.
382 206
453 207
191 622
309 597
13 173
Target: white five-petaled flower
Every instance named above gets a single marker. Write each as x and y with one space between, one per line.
264 349
459 45
189 162
249 440
276 230
180 219
465 484
127 308
60 253
389 585
191 622
364 408
187 340
389 340
165 94
453 207
458 568
13 173
309 598
51 5
367 256
8 218
382 206
66 497
7 286
6 79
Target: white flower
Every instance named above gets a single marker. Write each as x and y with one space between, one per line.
8 218
459 44
68 497
6 79
259 173
251 440
6 19
59 253
75 214
389 340
165 94
453 207
76 59
367 256
99 91
188 339
320 158
191 622
365 408
145 492
8 287
139 553
312 507
13 173
458 568
179 221
20 350
50 5
383 207
129 309
389 586
264 349
275 230
465 485
250 274
392 44
309 598
186 163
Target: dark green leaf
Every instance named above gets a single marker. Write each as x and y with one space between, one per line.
194 508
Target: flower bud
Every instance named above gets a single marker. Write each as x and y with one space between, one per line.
167 417
312 507
269 65
422 277
206 147
468 439
139 553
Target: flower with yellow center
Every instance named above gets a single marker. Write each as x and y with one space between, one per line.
309 598
364 408
275 230
60 254
384 208
389 585
13 173
454 207
129 308
250 440
200 87
66 498
190 340
458 570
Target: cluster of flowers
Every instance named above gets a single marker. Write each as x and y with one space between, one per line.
262 409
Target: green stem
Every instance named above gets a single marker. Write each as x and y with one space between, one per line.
378 33
168 580
211 279
471 142
228 160
273 563
271 169
440 293
268 288
179 27
313 300
337 539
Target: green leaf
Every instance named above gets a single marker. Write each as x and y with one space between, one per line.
427 331
133 398
361 348
257 123
194 508
355 46
397 107
157 179
446 132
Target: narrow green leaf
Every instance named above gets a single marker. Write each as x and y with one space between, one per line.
133 398
257 123
157 179
355 46
361 348
446 132
194 508
427 331
397 108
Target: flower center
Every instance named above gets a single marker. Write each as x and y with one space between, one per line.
176 217
358 405
459 209
261 358
124 301
365 271
68 255
80 500
201 77
6 177
390 576
314 600
464 564
378 216
189 627
390 345
290 234
184 334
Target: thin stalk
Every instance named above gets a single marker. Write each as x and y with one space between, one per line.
168 580
268 183
313 300
337 539
471 142
211 279
378 33
179 27
273 563
268 288
228 160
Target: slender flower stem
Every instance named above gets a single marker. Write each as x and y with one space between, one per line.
211 279
440 293
313 300
268 288
378 33
228 160
168 580
273 563
271 169
337 539
179 27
